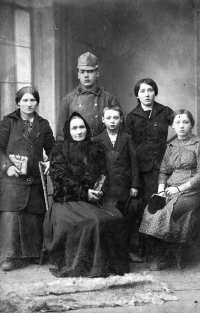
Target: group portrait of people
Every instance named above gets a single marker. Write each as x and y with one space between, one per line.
114 179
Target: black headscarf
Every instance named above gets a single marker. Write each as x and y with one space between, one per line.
76 150
66 128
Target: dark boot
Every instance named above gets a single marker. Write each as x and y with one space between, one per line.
142 245
178 253
160 260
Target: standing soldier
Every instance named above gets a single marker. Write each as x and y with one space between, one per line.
88 98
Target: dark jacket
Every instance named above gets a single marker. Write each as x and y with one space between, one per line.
149 134
123 170
15 191
71 181
89 104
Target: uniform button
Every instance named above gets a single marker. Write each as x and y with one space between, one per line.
31 146
80 105
95 104
155 124
96 116
29 179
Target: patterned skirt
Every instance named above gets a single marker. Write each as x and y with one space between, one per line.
177 221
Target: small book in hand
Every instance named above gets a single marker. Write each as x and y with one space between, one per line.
156 203
99 183
20 162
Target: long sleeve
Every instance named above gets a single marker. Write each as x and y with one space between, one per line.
4 138
63 116
195 180
129 126
49 140
135 180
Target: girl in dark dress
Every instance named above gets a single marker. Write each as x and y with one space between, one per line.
22 207
84 236
148 125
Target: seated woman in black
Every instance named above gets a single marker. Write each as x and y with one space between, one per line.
83 235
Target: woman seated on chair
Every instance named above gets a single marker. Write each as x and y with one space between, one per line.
23 135
179 180
83 235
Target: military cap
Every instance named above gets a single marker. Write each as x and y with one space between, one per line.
88 60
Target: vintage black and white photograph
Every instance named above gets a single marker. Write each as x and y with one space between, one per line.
99 156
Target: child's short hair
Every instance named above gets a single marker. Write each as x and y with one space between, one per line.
114 108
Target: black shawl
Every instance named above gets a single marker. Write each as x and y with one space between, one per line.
76 166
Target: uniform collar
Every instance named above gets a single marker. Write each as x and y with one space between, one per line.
95 89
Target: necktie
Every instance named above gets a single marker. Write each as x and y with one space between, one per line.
29 126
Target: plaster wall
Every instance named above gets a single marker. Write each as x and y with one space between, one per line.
44 61
134 39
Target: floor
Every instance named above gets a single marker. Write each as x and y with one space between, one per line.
184 283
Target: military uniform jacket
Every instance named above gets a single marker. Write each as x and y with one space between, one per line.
17 192
149 134
121 162
89 103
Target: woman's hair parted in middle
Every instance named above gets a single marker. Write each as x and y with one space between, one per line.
28 89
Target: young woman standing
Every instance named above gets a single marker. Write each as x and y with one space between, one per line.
148 125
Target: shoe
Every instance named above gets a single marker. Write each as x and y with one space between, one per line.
134 258
178 256
56 272
7 265
34 260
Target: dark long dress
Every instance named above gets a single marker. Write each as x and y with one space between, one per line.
81 237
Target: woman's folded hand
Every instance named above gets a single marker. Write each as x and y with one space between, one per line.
94 195
47 167
13 171
171 191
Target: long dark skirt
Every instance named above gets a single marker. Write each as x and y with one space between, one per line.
177 221
85 240
149 181
21 234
